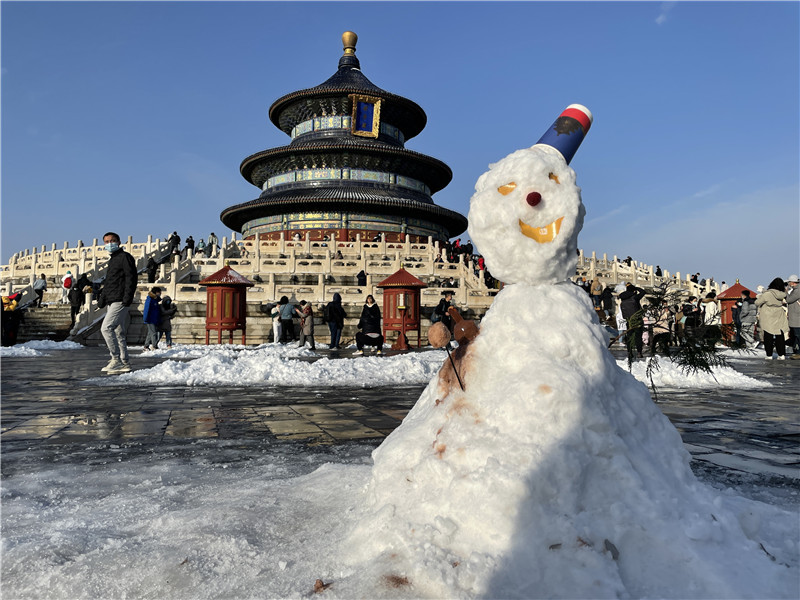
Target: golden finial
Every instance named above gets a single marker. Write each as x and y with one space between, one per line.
349 40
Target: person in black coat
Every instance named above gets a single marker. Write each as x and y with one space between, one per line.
440 312
334 315
117 295
631 308
76 297
370 326
152 269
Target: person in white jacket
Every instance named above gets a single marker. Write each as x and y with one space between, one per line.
66 284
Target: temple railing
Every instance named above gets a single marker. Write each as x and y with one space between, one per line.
305 269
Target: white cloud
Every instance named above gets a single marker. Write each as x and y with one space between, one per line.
666 8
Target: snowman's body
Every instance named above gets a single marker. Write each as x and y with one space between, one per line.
551 473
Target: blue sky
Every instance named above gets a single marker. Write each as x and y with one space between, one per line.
135 116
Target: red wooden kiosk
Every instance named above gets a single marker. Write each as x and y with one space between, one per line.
226 303
401 292
727 301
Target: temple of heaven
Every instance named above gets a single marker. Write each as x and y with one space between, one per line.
346 171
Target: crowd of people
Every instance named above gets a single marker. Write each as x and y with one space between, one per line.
770 321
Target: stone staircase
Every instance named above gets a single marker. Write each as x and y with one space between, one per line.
50 322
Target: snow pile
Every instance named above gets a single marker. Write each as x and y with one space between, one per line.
34 347
275 364
20 351
670 375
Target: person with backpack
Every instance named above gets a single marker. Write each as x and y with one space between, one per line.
334 316
66 284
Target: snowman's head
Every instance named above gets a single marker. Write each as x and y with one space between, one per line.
526 213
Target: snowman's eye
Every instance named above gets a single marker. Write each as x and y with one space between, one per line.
554 177
507 188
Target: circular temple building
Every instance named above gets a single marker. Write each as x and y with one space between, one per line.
346 171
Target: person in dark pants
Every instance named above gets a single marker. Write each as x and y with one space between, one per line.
370 326
152 269
334 315
631 307
287 324
76 297
40 287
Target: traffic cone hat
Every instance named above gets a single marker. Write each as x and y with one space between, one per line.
568 131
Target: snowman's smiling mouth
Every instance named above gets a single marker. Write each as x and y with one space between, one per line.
542 235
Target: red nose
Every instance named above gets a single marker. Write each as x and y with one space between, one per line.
534 198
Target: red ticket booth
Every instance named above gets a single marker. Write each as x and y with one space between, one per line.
401 294
226 303
727 301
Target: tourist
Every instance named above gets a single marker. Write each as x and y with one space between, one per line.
66 284
772 318
117 295
173 243
167 310
361 278
12 316
152 269
450 283
287 325
370 326
747 318
151 315
201 247
76 300
306 314
596 292
722 287
631 307
607 301
660 334
711 316
213 242
40 287
275 314
440 313
334 315
658 272
692 317
793 315
189 247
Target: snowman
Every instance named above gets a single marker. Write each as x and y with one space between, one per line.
544 469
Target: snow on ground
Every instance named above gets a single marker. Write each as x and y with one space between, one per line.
275 364
195 365
34 348
669 375
222 520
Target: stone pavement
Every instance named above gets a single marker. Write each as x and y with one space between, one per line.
47 403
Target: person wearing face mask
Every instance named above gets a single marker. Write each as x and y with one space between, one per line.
118 290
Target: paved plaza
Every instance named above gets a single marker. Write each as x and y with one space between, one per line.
48 405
